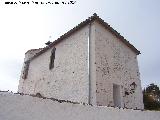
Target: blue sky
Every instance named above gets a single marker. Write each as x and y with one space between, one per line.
24 27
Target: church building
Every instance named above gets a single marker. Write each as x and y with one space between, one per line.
92 63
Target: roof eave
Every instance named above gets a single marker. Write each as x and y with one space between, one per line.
81 25
118 35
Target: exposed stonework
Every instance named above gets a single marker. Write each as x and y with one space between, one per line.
93 64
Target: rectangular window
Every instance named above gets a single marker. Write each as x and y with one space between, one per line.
25 69
52 57
116 95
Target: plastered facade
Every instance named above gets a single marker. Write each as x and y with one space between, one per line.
115 63
87 64
18 107
69 77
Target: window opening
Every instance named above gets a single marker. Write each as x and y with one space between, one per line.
25 70
52 57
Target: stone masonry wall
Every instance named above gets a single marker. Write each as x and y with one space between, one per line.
116 64
69 77
18 107
110 62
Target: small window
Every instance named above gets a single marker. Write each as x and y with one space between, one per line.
25 70
52 57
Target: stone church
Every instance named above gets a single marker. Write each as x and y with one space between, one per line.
92 63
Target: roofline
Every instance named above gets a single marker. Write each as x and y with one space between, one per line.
81 25
117 34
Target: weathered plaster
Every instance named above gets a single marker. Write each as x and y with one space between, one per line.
116 64
69 77
110 62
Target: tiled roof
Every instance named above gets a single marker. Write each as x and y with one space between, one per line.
81 25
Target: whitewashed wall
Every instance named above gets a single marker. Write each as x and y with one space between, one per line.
17 107
69 77
111 62
115 63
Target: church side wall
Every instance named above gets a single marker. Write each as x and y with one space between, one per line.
17 107
116 64
69 78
